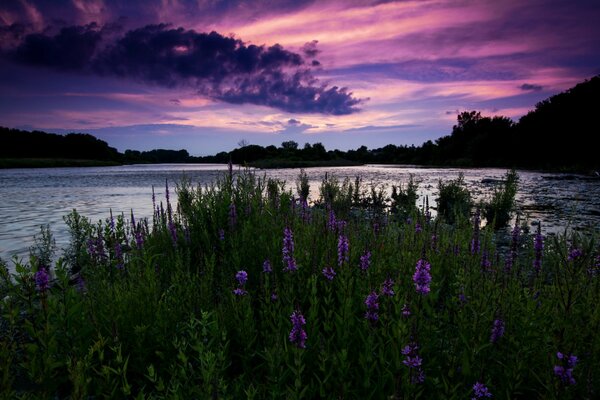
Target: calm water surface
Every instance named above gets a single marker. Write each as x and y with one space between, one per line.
33 197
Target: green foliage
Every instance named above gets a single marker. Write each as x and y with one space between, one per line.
404 200
454 202
498 210
160 319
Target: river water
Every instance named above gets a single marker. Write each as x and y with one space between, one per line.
30 198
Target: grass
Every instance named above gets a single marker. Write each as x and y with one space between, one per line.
152 311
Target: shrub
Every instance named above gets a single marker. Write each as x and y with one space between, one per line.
454 202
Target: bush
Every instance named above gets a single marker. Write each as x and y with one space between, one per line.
454 202
498 210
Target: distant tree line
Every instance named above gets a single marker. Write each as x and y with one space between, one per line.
558 134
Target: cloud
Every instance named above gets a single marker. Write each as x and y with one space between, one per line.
293 121
310 49
529 87
216 66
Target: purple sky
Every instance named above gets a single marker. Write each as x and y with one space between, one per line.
205 74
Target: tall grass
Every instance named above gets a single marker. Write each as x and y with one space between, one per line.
161 308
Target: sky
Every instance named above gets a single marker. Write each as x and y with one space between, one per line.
207 75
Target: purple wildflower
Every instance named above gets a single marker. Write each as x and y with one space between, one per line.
242 277
372 303
139 240
273 296
331 221
574 253
462 299
418 228
168 201
405 311
480 391
388 288
119 255
80 282
289 263
42 279
298 334
240 291
267 267
486 263
343 250
365 261
328 273
434 242
565 371
414 363
422 277
341 225
497 330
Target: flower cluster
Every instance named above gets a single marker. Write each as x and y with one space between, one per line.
422 277
480 391
267 267
414 363
343 250
372 303
242 278
497 330
574 253
42 279
565 371
388 288
328 273
365 261
331 221
289 262
298 334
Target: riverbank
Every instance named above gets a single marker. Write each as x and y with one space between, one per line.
6 163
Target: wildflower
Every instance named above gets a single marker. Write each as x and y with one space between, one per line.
240 291
267 267
405 311
343 250
462 298
414 363
418 228
242 277
388 287
365 261
273 296
331 221
574 253
372 303
538 246
42 279
341 225
328 273
434 242
422 277
119 255
497 330
485 261
288 251
173 230
565 371
298 334
480 391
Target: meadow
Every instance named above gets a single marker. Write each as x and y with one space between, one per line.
243 289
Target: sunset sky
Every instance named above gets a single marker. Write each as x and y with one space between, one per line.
205 74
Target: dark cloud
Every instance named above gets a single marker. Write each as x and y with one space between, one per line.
217 66
529 87
310 49
293 121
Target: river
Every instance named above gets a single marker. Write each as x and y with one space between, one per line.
30 198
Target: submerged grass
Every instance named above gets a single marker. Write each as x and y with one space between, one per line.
243 291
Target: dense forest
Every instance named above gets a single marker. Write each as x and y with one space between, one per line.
558 134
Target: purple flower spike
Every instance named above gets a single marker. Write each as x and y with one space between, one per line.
372 303
365 261
565 371
267 269
343 250
388 288
240 291
289 263
480 391
328 273
422 277
574 254
42 279
242 277
298 334
497 330
414 362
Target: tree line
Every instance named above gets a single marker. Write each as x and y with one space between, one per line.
558 134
